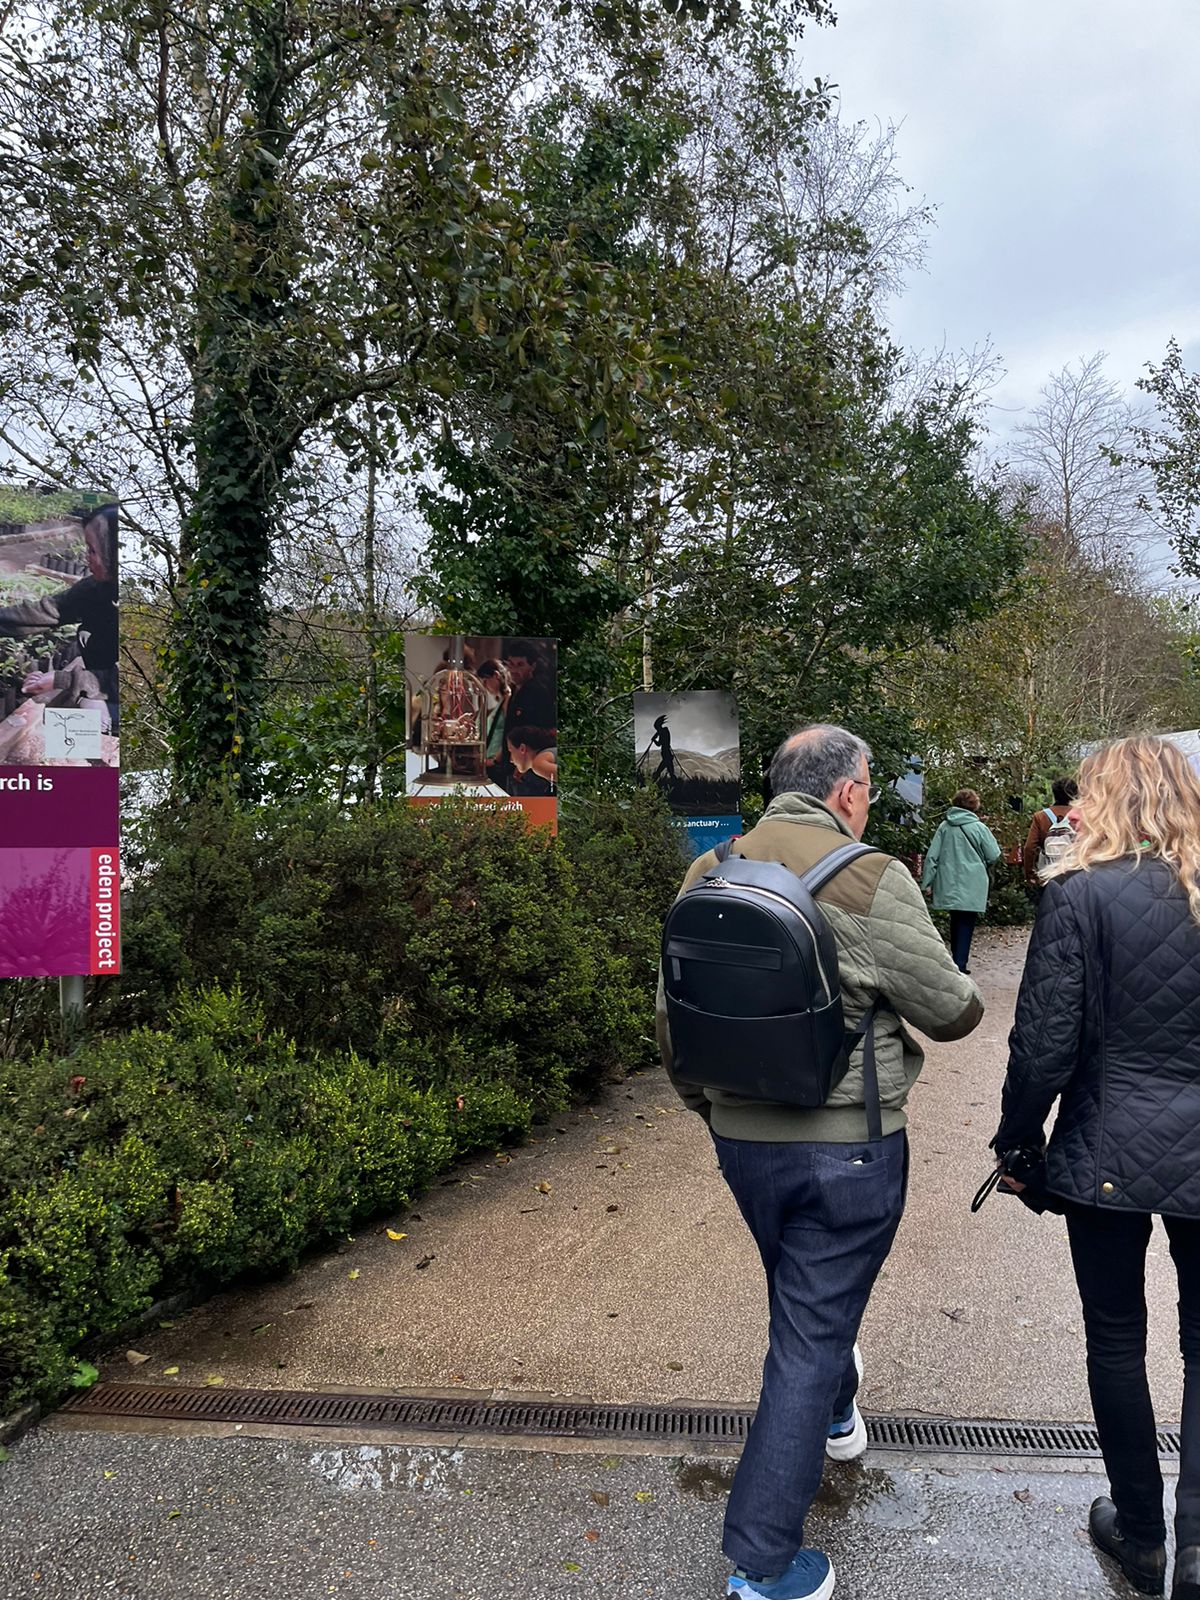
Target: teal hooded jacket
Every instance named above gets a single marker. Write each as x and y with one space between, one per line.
957 862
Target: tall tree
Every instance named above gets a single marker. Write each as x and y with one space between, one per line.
1170 453
278 209
1073 450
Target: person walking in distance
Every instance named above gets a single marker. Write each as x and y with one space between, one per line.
1050 833
1107 1024
821 1189
956 875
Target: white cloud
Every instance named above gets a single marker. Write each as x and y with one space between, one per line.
1058 140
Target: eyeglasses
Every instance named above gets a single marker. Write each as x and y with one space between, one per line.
873 789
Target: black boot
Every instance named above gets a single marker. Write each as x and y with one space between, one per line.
1145 1565
1186 1583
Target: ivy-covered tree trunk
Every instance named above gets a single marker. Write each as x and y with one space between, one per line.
241 426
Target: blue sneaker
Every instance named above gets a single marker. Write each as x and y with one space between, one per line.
810 1577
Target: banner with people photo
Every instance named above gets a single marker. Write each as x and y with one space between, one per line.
482 722
59 734
688 748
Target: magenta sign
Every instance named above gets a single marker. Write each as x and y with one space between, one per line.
59 735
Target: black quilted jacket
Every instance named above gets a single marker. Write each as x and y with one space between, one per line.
1108 1017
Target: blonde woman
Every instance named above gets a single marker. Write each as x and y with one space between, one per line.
1108 1023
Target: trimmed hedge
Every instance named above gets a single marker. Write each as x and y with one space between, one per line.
195 1156
351 1004
429 935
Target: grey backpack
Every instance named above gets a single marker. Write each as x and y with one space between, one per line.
1058 840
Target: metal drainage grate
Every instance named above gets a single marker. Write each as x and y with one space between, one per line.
680 1424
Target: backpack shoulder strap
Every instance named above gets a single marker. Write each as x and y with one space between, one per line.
723 850
815 879
1047 812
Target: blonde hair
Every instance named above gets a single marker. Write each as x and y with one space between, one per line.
1139 797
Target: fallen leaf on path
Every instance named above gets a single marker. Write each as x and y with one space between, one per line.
214 1380
643 1496
543 1187
392 1234
135 1358
260 1328
592 1535
170 1372
353 1273
572 1566
674 1366
612 1208
1023 1495
305 1305
173 1514
601 1499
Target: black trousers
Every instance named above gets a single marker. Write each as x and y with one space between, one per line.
962 931
1108 1249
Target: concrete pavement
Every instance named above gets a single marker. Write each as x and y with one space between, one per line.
606 1259
96 1516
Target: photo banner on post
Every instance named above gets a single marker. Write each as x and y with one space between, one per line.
59 735
482 722
687 746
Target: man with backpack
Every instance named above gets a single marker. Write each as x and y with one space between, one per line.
789 970
1050 833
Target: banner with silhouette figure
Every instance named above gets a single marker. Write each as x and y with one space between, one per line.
59 735
687 748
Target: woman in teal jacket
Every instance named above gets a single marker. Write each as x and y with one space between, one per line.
956 873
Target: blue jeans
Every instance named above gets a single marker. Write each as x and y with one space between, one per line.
823 1217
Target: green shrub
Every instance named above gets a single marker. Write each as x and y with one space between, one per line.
443 934
178 1159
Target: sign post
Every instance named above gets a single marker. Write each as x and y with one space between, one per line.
70 1002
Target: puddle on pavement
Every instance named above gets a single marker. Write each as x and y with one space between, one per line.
871 1493
351 1468
705 1480
884 1499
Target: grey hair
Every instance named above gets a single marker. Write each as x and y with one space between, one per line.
816 759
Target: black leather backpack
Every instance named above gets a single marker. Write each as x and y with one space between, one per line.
754 1000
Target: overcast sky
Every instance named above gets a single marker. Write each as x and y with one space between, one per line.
1060 142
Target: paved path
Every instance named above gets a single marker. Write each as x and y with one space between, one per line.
607 1259
92 1516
